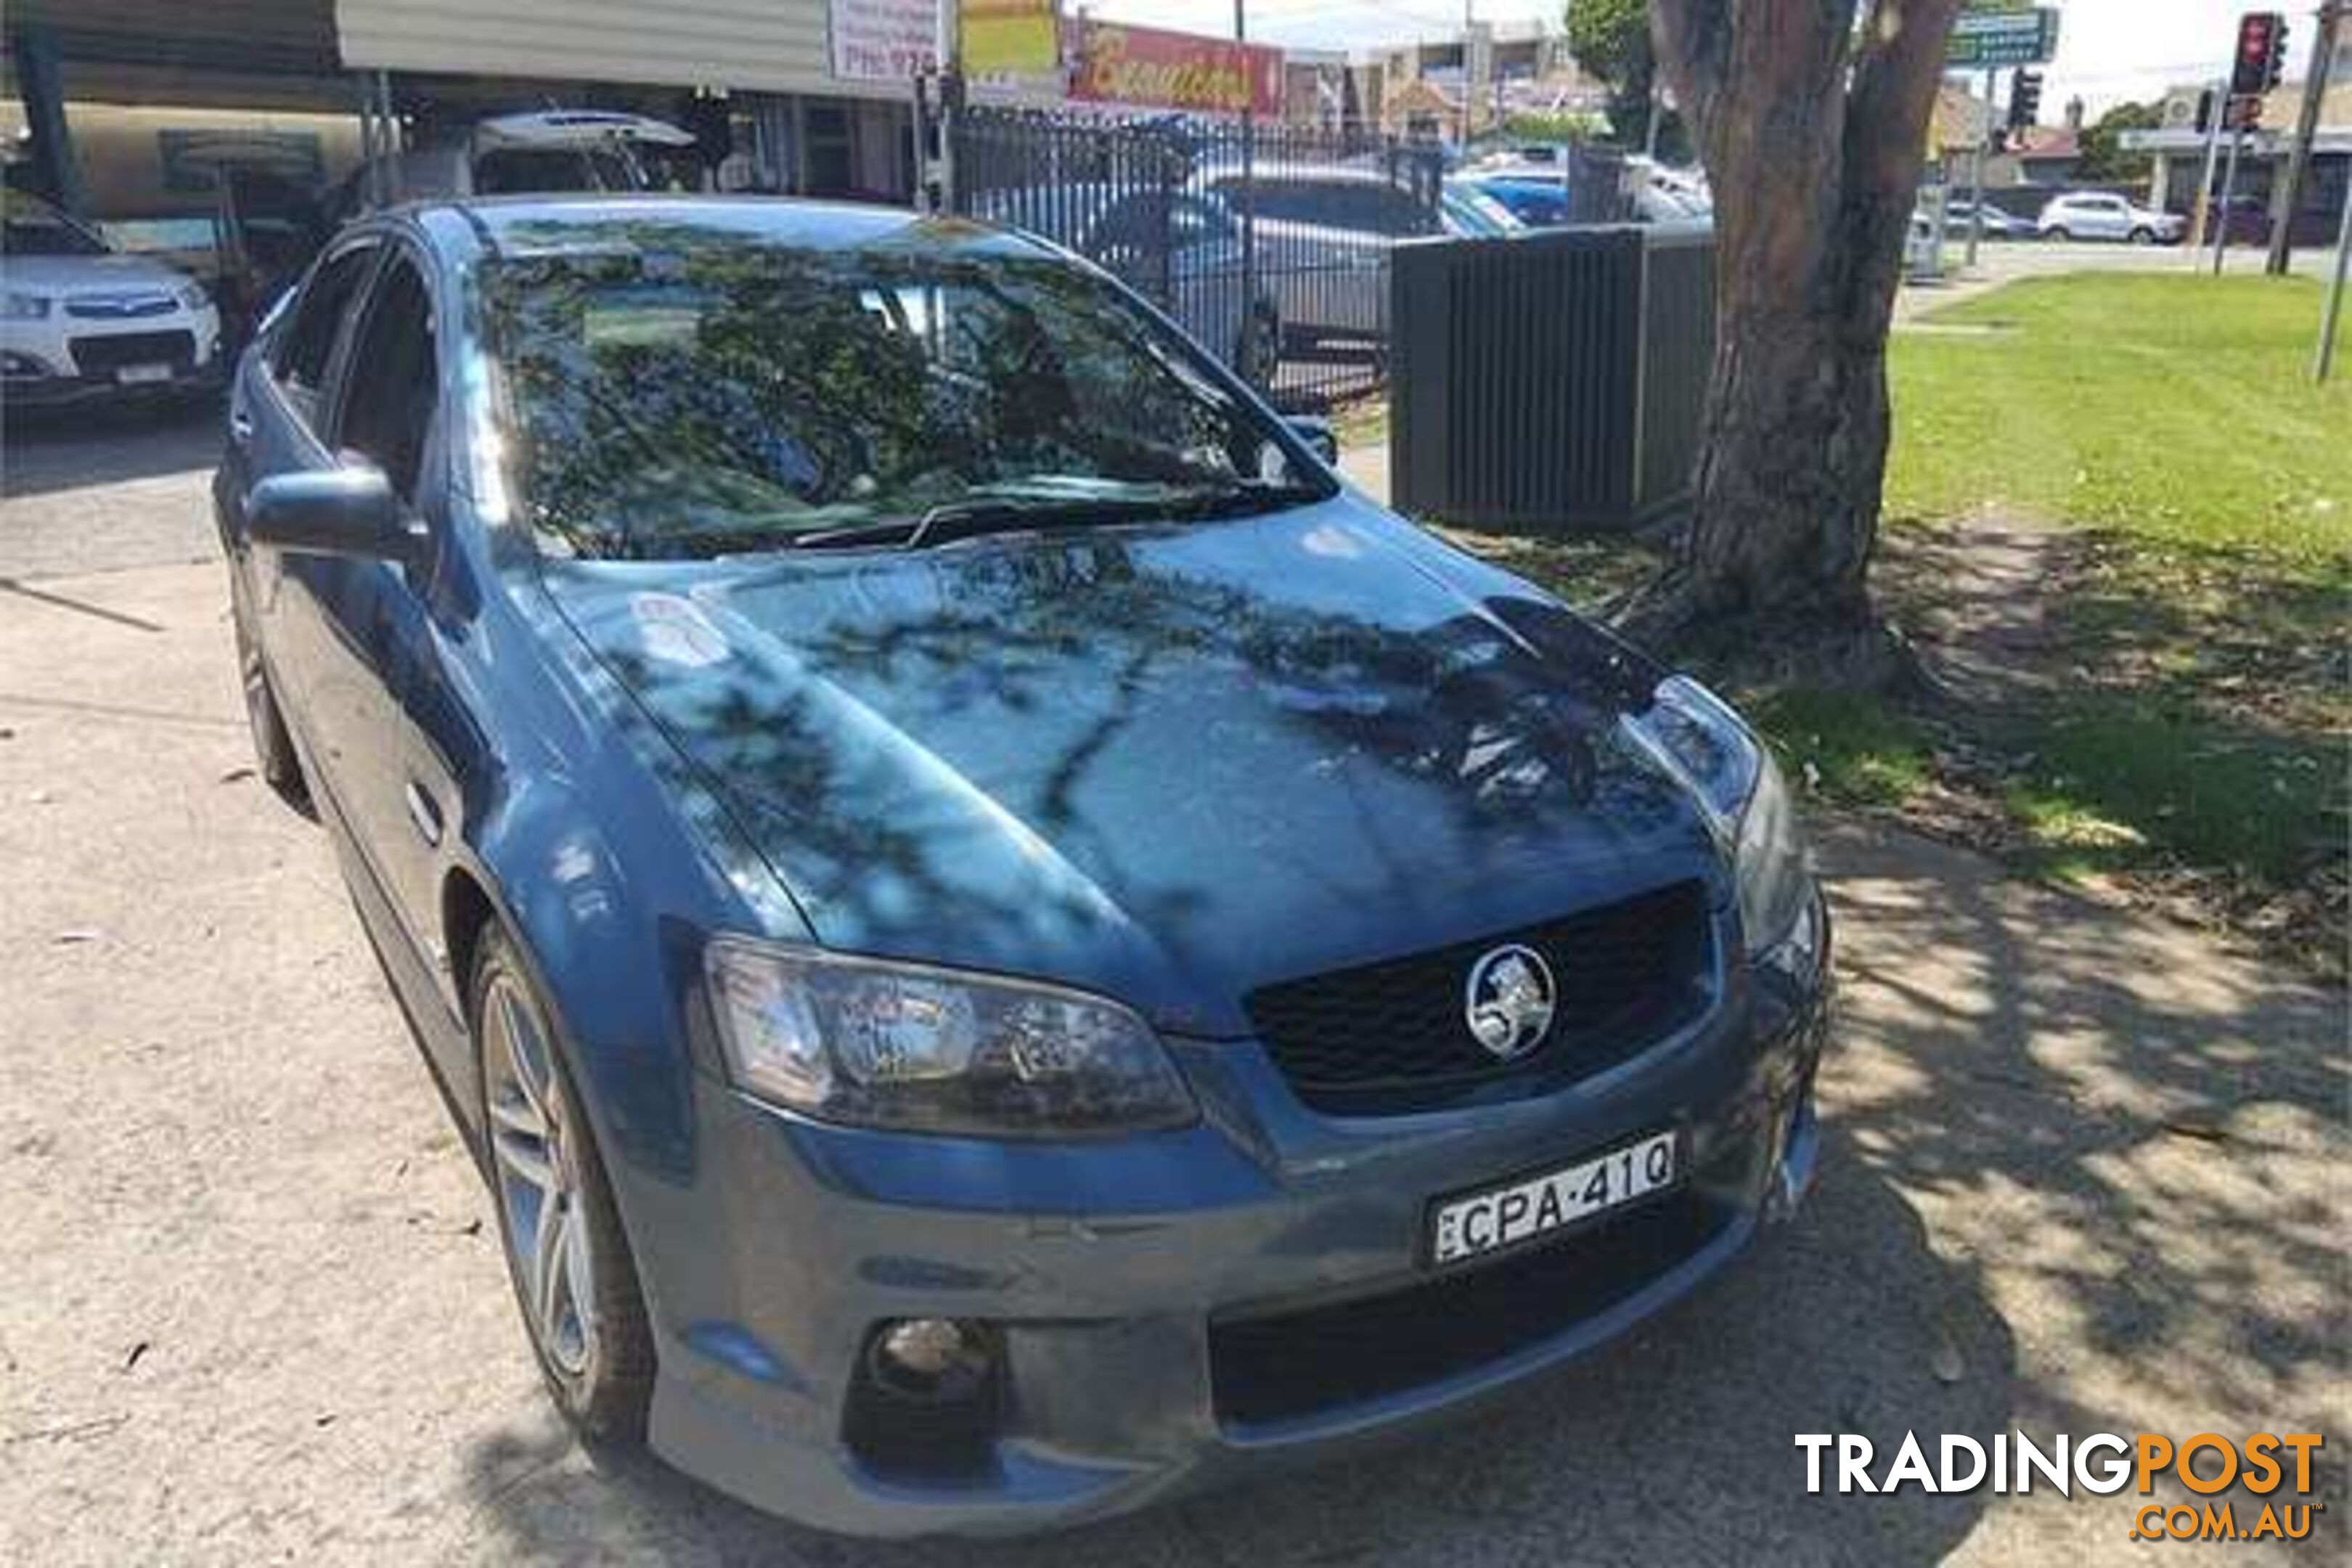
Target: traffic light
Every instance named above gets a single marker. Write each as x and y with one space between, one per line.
2024 98
2262 53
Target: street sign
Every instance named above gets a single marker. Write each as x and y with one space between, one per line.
1983 40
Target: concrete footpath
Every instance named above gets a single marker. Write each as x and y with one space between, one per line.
2083 1173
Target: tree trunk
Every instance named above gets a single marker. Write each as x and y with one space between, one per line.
1812 131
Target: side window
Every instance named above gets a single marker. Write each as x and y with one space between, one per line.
1402 213
308 338
1193 222
1291 201
1351 204
394 381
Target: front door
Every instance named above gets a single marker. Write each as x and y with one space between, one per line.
387 414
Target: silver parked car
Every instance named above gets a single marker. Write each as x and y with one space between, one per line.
1324 231
1183 248
2097 214
1323 235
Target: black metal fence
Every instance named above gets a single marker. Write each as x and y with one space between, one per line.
1270 245
1553 380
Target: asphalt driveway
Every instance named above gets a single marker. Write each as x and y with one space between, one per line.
2083 1173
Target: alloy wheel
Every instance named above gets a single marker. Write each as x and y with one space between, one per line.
548 1239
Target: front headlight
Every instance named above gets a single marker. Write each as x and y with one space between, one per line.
20 307
873 1044
1696 738
193 297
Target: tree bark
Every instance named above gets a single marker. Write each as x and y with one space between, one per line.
1810 122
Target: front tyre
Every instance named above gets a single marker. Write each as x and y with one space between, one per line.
2143 236
273 744
572 1273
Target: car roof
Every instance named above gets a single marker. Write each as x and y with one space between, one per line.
578 128
610 223
1279 169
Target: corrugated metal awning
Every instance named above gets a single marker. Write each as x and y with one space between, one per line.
774 46
216 54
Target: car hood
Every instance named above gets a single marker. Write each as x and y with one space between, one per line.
107 274
1167 764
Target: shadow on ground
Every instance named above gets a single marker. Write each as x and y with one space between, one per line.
52 450
1674 1444
2167 713
2075 1182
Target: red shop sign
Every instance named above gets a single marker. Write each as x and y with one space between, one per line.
1160 69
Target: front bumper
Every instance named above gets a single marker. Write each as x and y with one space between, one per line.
1174 1310
52 391
53 363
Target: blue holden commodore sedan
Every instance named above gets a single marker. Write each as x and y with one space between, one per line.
1006 945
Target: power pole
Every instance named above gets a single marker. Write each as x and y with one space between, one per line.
2315 88
2219 99
2229 189
1469 86
1249 208
947 48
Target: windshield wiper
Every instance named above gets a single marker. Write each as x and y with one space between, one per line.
975 516
1245 497
969 518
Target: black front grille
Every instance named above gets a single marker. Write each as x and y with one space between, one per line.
106 354
1392 1037
1279 1367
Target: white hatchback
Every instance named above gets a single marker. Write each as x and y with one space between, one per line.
2096 214
80 319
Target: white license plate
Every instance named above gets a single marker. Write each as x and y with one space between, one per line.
138 372
1516 1212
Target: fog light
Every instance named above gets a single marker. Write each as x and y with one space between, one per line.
932 1360
925 1345
929 1398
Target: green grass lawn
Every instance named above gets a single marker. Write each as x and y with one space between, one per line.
2186 728
2196 727
2173 408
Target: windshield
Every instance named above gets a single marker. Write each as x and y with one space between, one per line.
736 398
1473 212
34 229
520 171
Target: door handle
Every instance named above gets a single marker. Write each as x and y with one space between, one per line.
424 813
240 426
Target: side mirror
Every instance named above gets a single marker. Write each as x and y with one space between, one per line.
1318 435
331 512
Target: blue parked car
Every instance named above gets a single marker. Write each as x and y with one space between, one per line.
1538 203
1006 945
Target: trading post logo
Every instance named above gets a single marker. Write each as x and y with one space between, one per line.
2103 1463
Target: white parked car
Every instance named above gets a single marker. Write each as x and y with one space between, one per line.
80 319
534 152
2096 214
